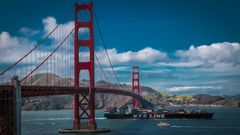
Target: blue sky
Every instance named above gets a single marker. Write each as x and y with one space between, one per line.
182 47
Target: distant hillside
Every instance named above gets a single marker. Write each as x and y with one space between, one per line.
107 100
201 100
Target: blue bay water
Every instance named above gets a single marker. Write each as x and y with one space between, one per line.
226 121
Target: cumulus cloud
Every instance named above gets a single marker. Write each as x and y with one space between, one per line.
217 57
6 41
188 88
215 53
49 23
146 55
12 48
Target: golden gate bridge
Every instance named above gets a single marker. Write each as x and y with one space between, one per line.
20 79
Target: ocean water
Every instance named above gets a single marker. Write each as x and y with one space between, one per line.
226 121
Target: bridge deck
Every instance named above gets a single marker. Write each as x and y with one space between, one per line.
35 91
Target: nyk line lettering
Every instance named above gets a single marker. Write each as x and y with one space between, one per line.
148 116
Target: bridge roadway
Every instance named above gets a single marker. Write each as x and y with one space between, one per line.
36 91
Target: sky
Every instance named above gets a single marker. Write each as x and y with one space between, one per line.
182 47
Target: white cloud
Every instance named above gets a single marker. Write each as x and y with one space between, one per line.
181 63
217 57
61 32
146 55
152 71
12 48
28 32
49 24
124 68
215 53
187 88
6 41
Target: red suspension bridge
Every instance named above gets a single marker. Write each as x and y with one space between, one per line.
57 57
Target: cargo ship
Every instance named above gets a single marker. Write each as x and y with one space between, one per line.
114 113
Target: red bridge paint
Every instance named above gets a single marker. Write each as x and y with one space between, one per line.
136 86
84 109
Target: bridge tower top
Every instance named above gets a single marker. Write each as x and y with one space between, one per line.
136 86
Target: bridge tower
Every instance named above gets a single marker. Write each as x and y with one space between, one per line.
84 103
136 86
